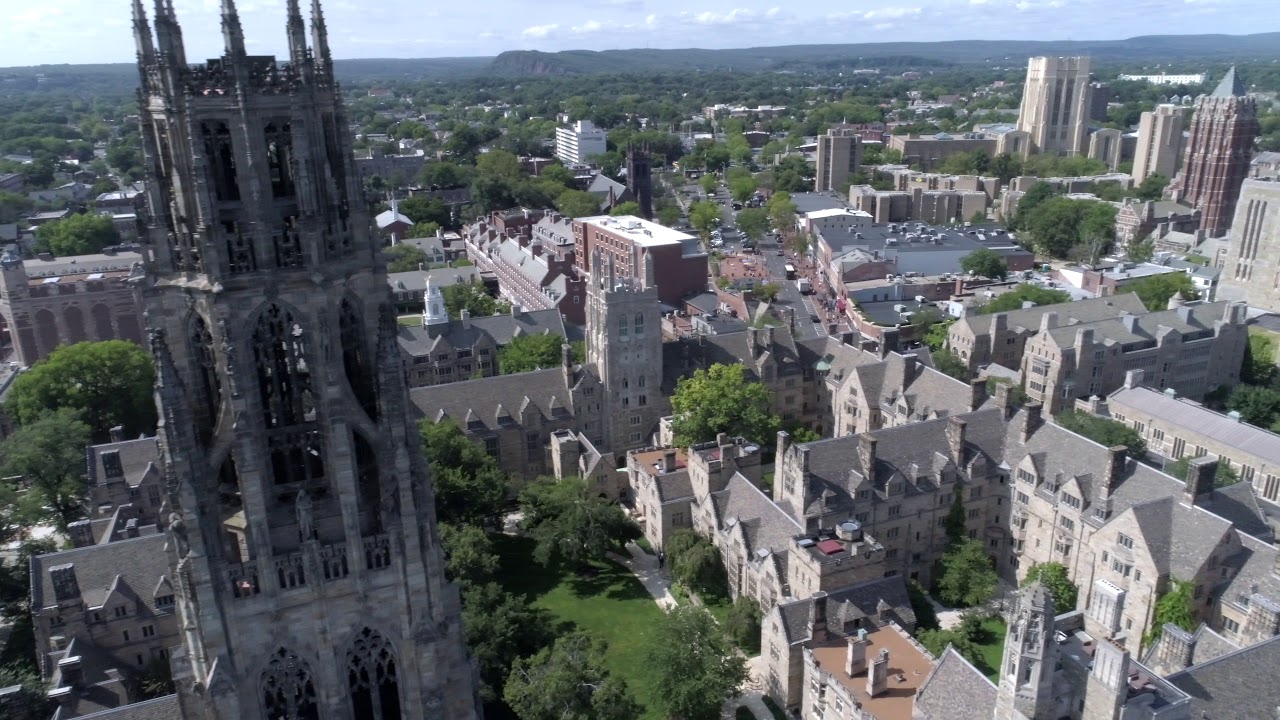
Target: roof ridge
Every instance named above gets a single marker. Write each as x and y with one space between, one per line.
1233 653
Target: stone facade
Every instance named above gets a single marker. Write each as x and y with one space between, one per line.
1055 105
1193 349
1137 219
301 542
1159 142
1250 260
49 302
1219 149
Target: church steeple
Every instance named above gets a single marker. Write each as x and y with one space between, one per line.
232 33
434 312
297 34
320 37
169 35
142 35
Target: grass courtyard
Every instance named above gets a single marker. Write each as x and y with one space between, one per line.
611 605
991 652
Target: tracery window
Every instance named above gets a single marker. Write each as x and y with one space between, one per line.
208 386
284 377
280 158
371 675
355 360
288 688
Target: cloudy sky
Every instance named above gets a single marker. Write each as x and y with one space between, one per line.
94 31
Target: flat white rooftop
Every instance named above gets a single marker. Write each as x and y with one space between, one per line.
640 231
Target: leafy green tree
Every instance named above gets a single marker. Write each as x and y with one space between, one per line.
13 205
742 188
568 522
985 262
936 640
157 679
48 454
1152 187
1055 225
694 670
578 203
668 215
403 258
1156 290
1104 431
1259 367
77 235
1176 606
569 681
708 183
768 292
753 222
926 616
954 522
705 217
422 210
470 558
30 701
1033 198
626 208
1142 250
1223 477
966 579
470 296
108 383
1097 226
470 488
1005 166
500 628
1257 405
695 564
743 625
782 211
720 399
1057 581
446 175
1025 292
947 363
530 352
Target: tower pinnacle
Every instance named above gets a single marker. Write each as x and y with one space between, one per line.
231 30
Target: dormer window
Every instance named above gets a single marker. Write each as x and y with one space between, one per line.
164 601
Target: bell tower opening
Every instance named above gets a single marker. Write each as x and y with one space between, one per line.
371 675
288 688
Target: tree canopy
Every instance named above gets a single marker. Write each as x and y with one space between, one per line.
705 217
985 262
693 668
77 235
966 579
1104 431
470 488
569 681
471 296
627 208
1025 292
1156 290
48 454
578 203
501 627
720 399
1257 405
568 522
753 222
1057 581
108 383
530 352
403 258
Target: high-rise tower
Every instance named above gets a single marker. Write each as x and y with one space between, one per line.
1159 142
302 530
640 179
1030 660
1219 149
1055 105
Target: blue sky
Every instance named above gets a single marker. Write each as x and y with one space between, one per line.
85 31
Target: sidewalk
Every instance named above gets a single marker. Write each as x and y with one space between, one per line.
645 567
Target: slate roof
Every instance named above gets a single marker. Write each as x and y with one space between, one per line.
483 398
764 524
136 456
102 687
1237 686
1231 86
161 708
674 486
1238 504
1146 327
1257 563
844 605
1081 311
955 690
1180 538
499 329
1199 420
441 277
135 565
838 359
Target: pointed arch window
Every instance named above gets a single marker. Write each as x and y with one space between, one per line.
288 688
284 377
355 359
371 676
208 385
279 137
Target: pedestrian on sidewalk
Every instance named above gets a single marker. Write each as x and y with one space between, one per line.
662 559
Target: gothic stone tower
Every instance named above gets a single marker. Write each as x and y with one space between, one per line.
1030 659
624 343
640 179
1219 149
302 530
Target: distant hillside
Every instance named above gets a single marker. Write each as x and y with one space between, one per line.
1146 48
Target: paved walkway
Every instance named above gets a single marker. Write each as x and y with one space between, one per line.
645 566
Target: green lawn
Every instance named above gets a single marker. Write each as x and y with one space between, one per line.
992 651
611 605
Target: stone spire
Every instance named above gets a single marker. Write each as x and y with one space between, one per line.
297 34
232 33
320 36
142 34
1230 85
169 35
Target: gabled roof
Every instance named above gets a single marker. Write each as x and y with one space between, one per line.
955 690
1237 686
1081 311
136 564
861 600
500 330
541 390
161 708
741 502
135 456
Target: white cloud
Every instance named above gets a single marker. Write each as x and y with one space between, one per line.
733 17
538 31
891 12
589 26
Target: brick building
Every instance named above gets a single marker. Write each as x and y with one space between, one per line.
1218 151
637 247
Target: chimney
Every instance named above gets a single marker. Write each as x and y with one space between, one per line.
818 617
867 455
977 393
516 309
878 674
752 348
1199 482
784 442
81 533
1114 471
465 314
422 267
1133 379
65 587
768 337
855 660
131 528
723 439
669 461
1031 420
72 671
117 433
1048 321
1177 648
908 368
1005 401
955 438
